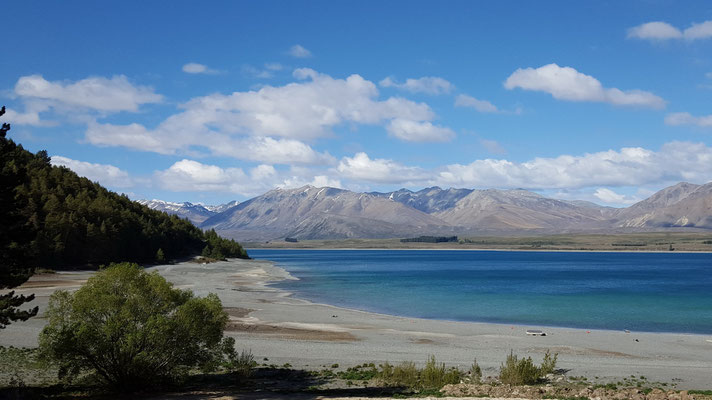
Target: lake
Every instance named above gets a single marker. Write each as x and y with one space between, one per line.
654 292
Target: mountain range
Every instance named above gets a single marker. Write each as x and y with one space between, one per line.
329 213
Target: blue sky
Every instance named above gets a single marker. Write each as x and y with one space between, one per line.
185 101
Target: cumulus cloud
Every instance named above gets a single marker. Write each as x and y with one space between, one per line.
192 176
195 68
684 118
654 30
168 138
608 196
271 124
659 30
632 166
105 174
415 131
363 168
95 93
188 175
428 85
566 83
29 117
299 52
482 106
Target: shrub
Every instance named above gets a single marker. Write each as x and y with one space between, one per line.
240 364
405 374
132 329
435 376
432 376
517 371
475 372
549 364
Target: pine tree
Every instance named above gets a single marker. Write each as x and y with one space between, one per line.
16 233
160 257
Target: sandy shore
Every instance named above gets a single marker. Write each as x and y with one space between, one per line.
279 328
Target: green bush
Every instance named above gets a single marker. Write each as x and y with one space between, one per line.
475 372
432 377
549 364
517 371
403 375
435 376
132 329
240 364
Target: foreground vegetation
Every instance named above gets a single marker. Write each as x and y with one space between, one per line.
22 375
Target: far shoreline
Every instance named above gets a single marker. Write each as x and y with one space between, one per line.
479 249
647 242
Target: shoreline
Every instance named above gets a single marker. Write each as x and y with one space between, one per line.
478 249
602 355
278 327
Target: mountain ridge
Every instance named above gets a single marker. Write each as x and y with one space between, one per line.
310 212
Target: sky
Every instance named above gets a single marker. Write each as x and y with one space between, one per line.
209 102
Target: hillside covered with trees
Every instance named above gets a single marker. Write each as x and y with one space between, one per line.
69 221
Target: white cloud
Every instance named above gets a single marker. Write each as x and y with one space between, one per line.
701 30
192 176
270 124
659 30
428 84
299 52
276 151
169 138
362 167
26 118
107 175
482 106
414 131
565 83
684 118
655 30
633 166
608 196
195 68
323 181
95 93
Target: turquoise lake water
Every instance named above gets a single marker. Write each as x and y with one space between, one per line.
654 292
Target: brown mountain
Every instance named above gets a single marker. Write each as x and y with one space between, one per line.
312 213
329 213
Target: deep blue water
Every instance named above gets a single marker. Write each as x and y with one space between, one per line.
654 292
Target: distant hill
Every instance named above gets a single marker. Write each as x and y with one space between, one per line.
682 205
328 213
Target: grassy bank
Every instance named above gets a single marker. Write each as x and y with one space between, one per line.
653 242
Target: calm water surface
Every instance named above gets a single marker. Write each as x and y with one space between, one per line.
655 292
